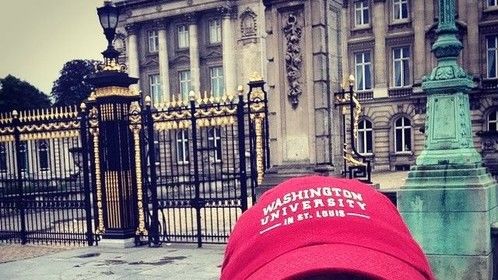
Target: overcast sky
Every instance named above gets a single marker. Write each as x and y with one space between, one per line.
38 36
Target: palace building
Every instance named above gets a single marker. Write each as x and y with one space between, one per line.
305 50
209 47
387 46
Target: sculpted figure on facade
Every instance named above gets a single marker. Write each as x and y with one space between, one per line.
293 58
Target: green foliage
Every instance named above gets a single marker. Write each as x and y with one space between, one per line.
70 88
16 94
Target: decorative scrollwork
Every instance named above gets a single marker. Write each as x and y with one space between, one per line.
50 126
293 58
94 131
135 127
114 91
50 135
356 115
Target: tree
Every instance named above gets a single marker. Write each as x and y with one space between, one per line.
70 88
16 94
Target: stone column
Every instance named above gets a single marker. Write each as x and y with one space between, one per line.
163 61
473 36
229 62
419 43
379 29
133 64
194 55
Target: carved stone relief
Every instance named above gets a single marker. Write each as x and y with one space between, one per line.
248 23
293 58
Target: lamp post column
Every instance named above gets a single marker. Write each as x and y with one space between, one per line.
115 126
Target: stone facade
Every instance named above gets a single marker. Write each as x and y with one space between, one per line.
289 43
305 50
388 27
303 70
167 38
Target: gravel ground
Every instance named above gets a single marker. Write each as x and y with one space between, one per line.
15 252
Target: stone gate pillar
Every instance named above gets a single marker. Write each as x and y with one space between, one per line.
449 200
116 172
303 72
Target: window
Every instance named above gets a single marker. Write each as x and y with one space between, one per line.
3 158
217 81
365 137
492 3
23 156
185 84
363 70
401 67
214 143
361 13
400 9
155 89
182 153
492 56
492 121
153 41
402 135
43 163
214 31
183 41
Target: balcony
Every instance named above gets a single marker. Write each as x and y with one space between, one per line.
364 95
489 84
400 92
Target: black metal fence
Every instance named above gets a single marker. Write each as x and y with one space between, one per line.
44 185
198 161
205 157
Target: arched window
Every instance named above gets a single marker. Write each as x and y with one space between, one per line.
365 137
214 143
43 163
402 135
492 121
182 153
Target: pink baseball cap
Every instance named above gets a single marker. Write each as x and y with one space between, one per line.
317 224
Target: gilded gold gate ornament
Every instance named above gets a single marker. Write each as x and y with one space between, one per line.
135 127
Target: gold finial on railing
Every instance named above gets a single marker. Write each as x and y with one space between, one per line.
351 80
240 90
191 96
148 100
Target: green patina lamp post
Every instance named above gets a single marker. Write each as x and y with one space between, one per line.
449 199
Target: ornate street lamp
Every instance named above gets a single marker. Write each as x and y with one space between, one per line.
355 165
115 127
108 17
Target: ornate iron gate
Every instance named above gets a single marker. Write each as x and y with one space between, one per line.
203 161
44 183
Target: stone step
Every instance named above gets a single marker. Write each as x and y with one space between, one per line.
280 173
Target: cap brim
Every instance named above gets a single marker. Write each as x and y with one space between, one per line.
337 257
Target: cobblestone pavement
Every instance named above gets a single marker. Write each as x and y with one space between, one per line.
174 262
15 252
